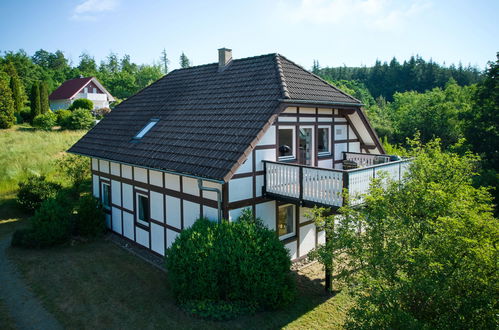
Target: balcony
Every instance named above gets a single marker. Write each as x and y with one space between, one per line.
310 186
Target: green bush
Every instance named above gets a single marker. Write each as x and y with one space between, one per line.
89 220
51 226
34 191
240 263
63 117
80 119
45 121
82 104
25 114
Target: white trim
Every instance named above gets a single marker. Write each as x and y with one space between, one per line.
293 148
325 153
293 233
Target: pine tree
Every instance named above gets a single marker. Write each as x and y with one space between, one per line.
15 86
35 101
184 61
316 67
165 61
7 118
44 98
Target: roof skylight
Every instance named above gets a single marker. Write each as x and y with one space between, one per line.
146 129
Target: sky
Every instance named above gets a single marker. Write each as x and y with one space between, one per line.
334 32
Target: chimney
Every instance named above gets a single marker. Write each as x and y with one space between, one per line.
224 58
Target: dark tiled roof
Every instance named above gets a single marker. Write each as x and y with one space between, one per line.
69 88
208 119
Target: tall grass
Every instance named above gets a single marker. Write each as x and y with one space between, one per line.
25 151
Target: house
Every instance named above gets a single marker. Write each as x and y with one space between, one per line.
80 88
210 140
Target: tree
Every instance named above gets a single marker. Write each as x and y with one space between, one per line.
44 98
7 118
427 255
34 100
316 67
165 61
87 65
184 61
15 86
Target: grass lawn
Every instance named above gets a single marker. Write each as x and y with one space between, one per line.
99 285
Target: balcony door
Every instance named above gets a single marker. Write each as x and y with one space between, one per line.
306 145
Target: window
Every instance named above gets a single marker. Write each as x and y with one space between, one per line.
286 221
323 145
95 90
142 209
85 90
146 129
106 195
286 138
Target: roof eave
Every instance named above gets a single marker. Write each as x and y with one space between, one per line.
318 102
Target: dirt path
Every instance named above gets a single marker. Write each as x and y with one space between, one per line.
23 306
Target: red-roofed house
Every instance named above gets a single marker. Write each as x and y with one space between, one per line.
80 88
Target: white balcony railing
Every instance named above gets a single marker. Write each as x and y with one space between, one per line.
312 185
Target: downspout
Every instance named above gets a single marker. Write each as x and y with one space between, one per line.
219 197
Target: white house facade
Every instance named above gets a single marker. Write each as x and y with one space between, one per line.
88 88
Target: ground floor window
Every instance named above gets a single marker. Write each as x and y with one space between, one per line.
142 209
106 195
286 220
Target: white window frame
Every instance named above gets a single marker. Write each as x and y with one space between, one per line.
293 147
137 219
108 184
324 153
293 233
314 143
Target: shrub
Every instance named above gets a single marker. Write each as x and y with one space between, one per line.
242 264
51 226
45 121
82 104
80 119
63 117
34 191
25 114
76 169
90 220
101 112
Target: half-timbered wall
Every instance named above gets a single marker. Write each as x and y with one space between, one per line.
175 202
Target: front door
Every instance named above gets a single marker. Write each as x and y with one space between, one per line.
306 151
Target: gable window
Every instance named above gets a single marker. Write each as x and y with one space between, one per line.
95 90
323 143
106 195
286 221
142 209
85 90
146 129
286 138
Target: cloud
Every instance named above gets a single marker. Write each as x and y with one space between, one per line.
380 14
90 10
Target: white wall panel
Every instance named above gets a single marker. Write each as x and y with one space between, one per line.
157 206
268 137
264 154
303 214
156 178
247 166
286 119
240 189
340 120
173 211
351 133
157 238
210 213
338 150
190 186
325 120
211 194
292 250
95 186
128 225
191 213
142 237
307 119
117 221
326 163
127 196
266 211
170 237
307 239
140 174
95 164
103 166
116 192
354 147
326 112
321 237
234 214
340 132
259 182
290 110
115 169
126 171
307 110
172 181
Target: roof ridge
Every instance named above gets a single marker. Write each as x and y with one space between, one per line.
280 74
234 60
324 81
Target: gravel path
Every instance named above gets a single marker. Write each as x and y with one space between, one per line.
23 306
